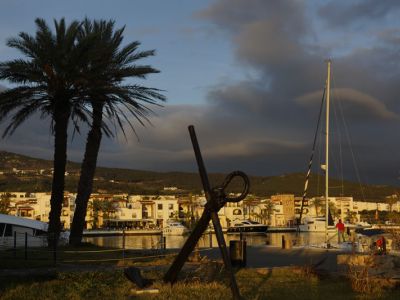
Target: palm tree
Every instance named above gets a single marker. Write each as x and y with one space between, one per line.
318 205
5 203
351 216
268 210
333 210
112 98
48 81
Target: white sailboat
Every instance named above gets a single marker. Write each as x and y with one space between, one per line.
315 223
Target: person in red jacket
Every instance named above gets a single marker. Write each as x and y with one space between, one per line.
340 229
381 246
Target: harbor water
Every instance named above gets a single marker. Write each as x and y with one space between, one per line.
209 240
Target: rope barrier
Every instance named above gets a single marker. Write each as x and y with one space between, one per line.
91 251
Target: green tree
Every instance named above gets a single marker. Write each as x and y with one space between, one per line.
111 99
392 200
333 210
47 81
267 211
318 202
104 207
5 203
351 216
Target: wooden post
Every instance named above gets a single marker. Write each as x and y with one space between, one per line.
283 242
210 236
15 244
164 242
55 252
26 245
123 247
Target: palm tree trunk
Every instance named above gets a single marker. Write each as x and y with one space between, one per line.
61 118
88 169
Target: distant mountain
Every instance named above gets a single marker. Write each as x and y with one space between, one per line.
9 160
146 182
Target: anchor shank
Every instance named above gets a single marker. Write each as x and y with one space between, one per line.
200 163
224 253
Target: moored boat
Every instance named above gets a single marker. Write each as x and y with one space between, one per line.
247 226
175 228
13 228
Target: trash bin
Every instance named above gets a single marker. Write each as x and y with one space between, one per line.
237 250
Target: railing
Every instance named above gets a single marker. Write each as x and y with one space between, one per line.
23 251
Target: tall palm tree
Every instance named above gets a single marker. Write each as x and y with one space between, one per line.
5 203
318 205
110 97
268 210
47 82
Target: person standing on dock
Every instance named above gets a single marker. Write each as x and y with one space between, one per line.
340 228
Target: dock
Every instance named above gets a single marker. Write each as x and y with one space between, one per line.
112 232
281 229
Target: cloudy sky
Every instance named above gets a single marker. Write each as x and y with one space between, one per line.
249 75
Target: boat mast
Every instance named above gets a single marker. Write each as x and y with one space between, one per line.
328 86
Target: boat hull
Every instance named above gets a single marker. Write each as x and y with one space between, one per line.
249 229
175 231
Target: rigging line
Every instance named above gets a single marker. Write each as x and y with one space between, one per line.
338 165
347 134
319 163
333 151
311 157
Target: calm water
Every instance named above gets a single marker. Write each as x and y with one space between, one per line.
153 241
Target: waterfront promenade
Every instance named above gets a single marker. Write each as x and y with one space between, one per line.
273 257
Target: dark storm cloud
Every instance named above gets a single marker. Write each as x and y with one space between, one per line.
34 138
279 41
227 141
345 13
265 126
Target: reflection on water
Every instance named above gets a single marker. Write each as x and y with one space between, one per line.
207 240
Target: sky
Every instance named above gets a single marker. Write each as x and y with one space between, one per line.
249 74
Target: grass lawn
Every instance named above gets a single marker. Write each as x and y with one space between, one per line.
204 282
197 281
85 254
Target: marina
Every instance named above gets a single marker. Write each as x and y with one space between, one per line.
209 240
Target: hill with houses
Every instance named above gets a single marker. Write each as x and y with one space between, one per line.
24 173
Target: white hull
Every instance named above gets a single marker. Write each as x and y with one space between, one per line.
315 225
33 241
35 231
175 228
175 231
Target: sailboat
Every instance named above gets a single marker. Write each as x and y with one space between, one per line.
325 223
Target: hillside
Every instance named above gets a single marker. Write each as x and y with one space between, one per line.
147 182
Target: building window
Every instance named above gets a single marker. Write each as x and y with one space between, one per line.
237 212
159 206
170 206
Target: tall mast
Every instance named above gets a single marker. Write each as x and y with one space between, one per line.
328 86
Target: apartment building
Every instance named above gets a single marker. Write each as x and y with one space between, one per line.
107 210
